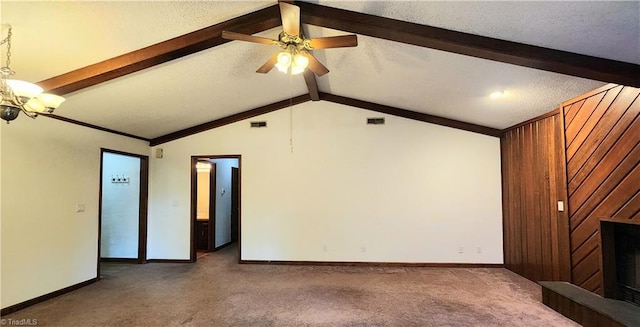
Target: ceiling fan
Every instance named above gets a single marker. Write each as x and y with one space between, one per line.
295 56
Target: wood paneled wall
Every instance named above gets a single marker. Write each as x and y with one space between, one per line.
602 131
536 234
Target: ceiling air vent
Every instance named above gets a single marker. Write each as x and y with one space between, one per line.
375 121
258 124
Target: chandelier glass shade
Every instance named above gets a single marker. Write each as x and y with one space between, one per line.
20 96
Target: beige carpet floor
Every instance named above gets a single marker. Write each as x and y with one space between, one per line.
216 291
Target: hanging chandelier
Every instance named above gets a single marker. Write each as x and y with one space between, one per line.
22 96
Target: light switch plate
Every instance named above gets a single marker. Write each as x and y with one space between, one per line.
560 206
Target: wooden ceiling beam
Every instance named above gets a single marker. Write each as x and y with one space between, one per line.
520 54
331 98
162 52
411 114
96 127
229 119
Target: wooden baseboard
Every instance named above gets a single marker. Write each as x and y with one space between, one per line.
222 246
42 298
126 260
375 264
169 261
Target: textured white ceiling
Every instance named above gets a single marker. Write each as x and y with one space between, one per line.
56 37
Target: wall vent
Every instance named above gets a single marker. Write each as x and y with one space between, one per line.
375 121
258 124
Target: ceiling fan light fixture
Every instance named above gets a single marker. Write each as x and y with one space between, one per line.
301 61
282 69
296 55
295 69
284 59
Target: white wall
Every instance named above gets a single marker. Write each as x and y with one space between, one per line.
403 192
223 199
48 167
120 206
1 127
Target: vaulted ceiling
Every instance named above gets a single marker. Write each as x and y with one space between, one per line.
152 69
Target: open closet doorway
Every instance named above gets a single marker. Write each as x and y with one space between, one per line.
215 203
122 219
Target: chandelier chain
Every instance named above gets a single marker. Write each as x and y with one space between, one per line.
7 40
19 96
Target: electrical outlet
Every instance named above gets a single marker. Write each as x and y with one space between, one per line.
324 248
479 250
460 250
80 207
363 249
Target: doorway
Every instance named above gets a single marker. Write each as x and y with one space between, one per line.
215 203
122 216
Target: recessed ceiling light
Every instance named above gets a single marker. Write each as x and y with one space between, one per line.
497 94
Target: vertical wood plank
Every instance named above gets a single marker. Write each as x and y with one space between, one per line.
564 245
529 205
543 202
533 178
506 234
553 196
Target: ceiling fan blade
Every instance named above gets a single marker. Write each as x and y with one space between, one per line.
249 38
314 65
268 66
334 42
290 18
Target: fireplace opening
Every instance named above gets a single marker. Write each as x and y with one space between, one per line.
621 261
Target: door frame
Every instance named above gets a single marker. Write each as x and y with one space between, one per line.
143 203
194 199
212 207
235 171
